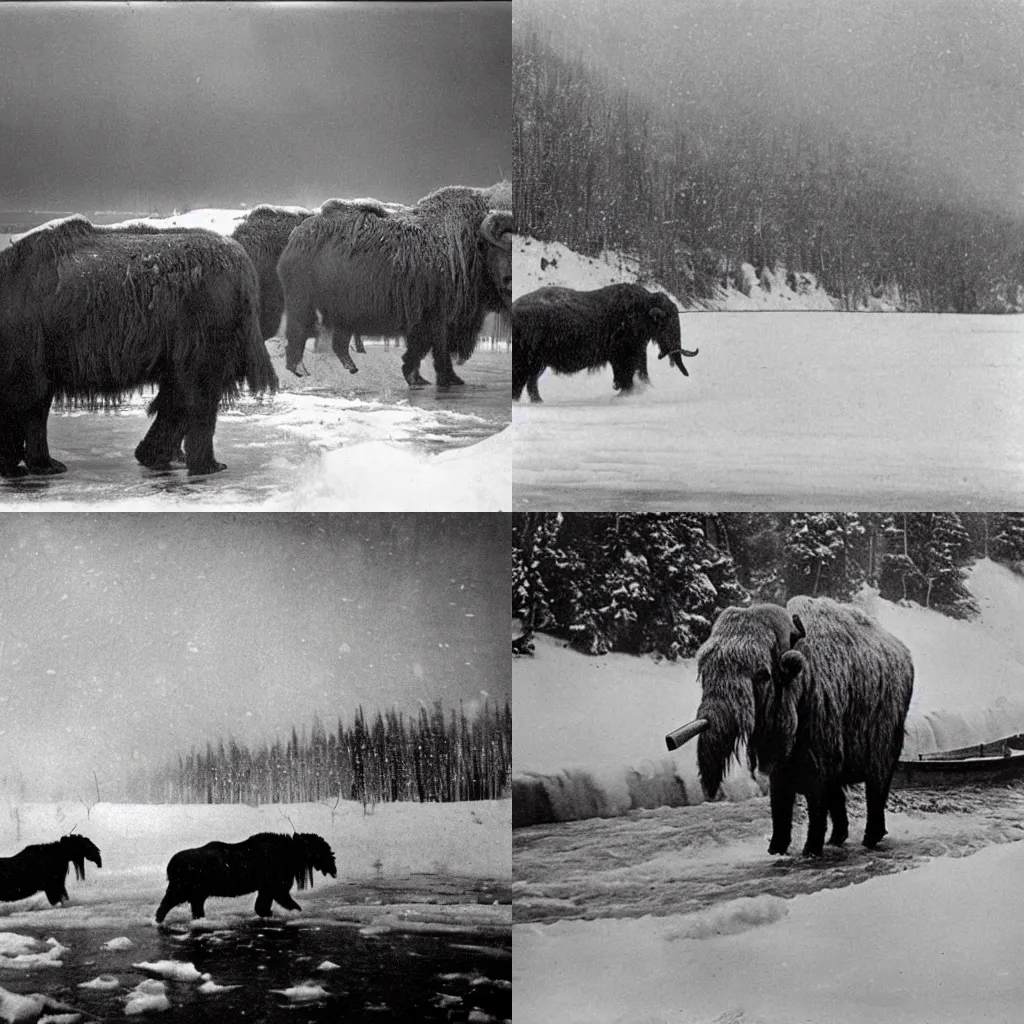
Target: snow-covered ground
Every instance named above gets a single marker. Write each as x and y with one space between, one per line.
679 916
783 411
591 730
393 841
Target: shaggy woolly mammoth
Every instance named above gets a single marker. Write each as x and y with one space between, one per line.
818 692
568 331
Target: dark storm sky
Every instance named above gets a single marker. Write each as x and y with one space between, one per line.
939 84
128 105
126 638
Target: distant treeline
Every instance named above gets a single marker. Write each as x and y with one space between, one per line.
647 583
693 196
432 757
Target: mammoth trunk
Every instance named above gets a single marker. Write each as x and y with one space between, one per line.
730 724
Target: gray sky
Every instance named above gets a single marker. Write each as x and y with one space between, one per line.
157 105
126 637
936 83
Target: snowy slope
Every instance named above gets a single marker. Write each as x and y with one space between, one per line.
537 264
590 731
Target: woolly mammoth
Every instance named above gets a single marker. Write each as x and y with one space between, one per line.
267 863
89 315
818 692
430 272
568 331
44 867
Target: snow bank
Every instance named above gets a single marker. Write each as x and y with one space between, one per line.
589 738
137 840
925 945
539 264
379 477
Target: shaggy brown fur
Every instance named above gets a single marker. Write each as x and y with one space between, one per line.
89 315
817 713
426 272
267 863
569 331
45 867
263 234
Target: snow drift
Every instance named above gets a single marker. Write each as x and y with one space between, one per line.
590 732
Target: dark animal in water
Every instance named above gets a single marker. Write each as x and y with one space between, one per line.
266 864
431 272
819 693
45 867
568 331
90 314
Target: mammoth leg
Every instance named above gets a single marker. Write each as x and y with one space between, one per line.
12 445
782 799
876 795
623 369
283 897
357 342
201 421
163 439
532 390
37 450
196 903
301 325
171 899
264 899
444 374
817 822
840 822
339 343
56 893
417 345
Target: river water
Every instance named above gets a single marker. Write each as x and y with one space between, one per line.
425 949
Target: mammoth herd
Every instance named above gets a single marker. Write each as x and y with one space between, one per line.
267 863
90 314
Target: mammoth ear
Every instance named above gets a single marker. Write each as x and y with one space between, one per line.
798 631
791 664
657 315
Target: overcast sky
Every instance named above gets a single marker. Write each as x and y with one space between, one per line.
938 83
159 105
130 637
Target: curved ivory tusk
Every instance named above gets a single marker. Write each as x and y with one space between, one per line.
685 733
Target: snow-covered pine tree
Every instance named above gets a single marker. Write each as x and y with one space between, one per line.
947 548
1006 543
899 577
817 556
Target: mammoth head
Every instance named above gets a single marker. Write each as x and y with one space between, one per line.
496 230
748 671
664 320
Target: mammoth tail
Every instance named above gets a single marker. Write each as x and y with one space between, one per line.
258 370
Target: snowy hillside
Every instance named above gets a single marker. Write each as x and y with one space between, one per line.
589 736
538 264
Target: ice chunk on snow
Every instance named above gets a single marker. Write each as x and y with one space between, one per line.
479 1017
306 993
734 917
328 965
60 1018
16 1009
375 929
147 997
16 952
122 942
104 983
209 987
173 969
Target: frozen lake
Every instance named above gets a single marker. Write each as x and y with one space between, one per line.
380 437
790 411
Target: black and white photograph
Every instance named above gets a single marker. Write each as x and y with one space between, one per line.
255 256
768 767
831 198
276 752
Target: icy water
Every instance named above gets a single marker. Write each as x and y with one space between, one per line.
271 446
678 860
446 957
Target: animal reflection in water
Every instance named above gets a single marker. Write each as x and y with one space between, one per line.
44 867
266 863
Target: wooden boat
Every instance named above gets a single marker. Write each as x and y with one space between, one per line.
1001 761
